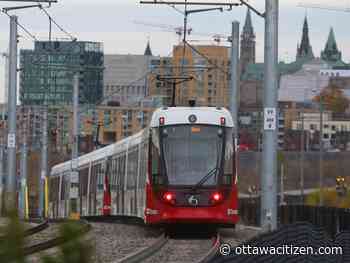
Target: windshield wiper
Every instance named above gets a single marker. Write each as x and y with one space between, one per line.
206 177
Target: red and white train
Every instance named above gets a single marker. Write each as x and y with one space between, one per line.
180 169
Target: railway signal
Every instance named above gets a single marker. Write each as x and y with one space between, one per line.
340 187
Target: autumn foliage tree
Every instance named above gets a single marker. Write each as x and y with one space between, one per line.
333 99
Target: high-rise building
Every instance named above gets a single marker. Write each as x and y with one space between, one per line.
125 77
46 76
247 43
160 67
208 66
304 50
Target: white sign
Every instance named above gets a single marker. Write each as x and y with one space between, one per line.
74 192
11 140
74 177
270 119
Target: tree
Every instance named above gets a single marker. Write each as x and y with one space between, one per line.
333 99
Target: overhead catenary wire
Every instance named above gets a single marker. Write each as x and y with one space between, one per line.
23 28
57 25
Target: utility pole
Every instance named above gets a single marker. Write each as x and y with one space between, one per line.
302 153
321 151
23 185
269 165
74 178
2 170
44 160
234 98
10 199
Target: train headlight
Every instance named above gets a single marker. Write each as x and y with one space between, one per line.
216 197
169 197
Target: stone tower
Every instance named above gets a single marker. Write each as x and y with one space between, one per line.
247 43
148 51
331 52
304 50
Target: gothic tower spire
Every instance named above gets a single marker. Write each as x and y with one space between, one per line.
305 50
148 51
247 43
331 51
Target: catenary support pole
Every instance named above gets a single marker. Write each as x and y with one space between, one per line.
321 152
302 153
24 154
10 196
74 179
269 157
44 162
2 170
234 98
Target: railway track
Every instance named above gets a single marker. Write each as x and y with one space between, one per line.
55 241
41 237
121 239
166 249
31 230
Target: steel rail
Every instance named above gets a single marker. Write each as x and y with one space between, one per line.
31 231
57 240
212 253
144 253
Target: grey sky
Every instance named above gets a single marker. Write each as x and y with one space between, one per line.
111 22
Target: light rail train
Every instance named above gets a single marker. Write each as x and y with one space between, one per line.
180 169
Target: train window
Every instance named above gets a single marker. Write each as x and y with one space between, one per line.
121 171
188 157
99 175
132 169
229 158
143 164
113 181
157 179
83 175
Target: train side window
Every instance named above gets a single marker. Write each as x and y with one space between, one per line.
121 172
229 159
132 168
157 179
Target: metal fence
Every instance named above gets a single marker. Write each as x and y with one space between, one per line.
332 220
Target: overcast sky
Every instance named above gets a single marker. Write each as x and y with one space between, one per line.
112 22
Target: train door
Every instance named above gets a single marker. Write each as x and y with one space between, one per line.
113 184
121 188
83 184
131 180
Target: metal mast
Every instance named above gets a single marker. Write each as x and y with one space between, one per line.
74 179
269 164
10 201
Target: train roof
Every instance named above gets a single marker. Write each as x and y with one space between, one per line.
100 154
181 115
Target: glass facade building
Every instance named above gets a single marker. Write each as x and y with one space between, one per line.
46 76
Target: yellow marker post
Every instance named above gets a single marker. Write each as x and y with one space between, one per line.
26 208
46 201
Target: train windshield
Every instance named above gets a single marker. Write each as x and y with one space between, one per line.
191 152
